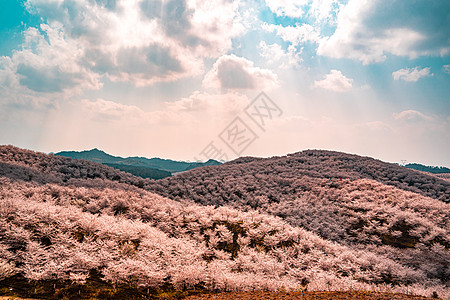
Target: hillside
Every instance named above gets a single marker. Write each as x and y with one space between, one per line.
280 172
26 165
167 165
73 227
355 201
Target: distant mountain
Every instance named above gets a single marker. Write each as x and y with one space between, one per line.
429 169
137 165
95 155
210 162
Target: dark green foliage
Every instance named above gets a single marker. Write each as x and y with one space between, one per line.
233 248
429 169
167 165
403 241
143 172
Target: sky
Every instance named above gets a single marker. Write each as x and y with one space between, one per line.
197 79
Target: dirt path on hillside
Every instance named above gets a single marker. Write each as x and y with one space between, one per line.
288 296
14 298
304 296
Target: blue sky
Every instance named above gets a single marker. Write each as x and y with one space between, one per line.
166 78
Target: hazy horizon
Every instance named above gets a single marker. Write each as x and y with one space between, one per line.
181 79
269 156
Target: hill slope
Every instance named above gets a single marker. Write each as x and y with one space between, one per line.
351 200
26 165
61 228
279 172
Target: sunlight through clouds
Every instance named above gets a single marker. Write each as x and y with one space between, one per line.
411 74
369 30
335 81
411 116
237 73
159 68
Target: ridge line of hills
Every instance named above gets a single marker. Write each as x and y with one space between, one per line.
158 168
154 168
329 165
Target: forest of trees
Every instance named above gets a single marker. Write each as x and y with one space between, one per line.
315 220
143 172
167 165
429 169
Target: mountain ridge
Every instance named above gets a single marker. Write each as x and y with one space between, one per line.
339 165
155 165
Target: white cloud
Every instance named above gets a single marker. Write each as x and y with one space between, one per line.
237 73
48 68
103 110
446 69
83 41
189 111
289 8
52 66
296 35
274 54
368 30
411 116
149 64
228 104
324 11
335 81
144 41
320 10
411 74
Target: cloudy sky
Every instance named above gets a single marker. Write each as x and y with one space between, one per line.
182 79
